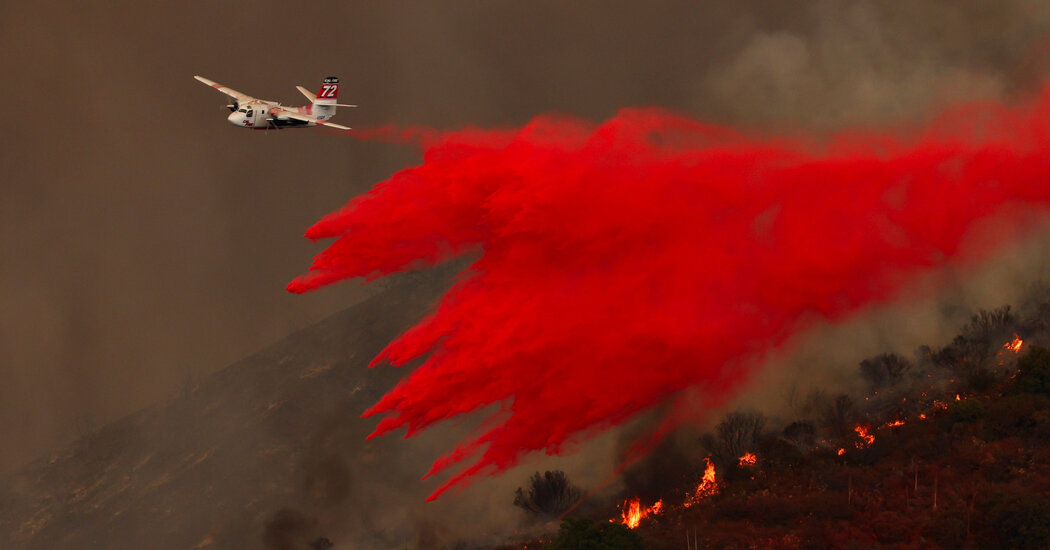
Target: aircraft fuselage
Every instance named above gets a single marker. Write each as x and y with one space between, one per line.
259 115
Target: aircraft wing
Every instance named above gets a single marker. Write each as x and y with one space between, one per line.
241 98
285 113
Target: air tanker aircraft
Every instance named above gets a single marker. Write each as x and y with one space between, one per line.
261 114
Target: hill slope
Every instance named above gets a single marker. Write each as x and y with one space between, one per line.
270 450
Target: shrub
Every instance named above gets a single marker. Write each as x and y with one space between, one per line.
669 466
981 380
990 324
839 416
1033 372
781 453
801 434
884 370
1013 415
977 341
737 434
550 494
969 410
588 534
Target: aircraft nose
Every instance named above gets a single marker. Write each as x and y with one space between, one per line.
234 118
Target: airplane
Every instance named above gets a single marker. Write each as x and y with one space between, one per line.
261 114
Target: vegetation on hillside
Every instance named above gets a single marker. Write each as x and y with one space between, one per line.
947 449
550 494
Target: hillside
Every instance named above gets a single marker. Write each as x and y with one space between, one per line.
268 452
948 448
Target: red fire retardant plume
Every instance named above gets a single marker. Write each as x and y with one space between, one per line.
618 264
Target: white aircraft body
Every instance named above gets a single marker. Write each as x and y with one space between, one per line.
261 114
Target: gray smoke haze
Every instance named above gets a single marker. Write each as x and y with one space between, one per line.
931 313
146 242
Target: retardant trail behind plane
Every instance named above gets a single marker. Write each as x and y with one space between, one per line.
620 263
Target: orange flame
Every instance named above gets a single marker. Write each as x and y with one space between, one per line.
633 513
748 459
707 486
842 451
866 438
893 424
1014 345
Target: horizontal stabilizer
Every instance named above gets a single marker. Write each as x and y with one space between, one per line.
309 95
313 98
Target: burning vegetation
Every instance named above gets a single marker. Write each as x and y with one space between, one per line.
708 486
633 512
866 438
1014 345
950 448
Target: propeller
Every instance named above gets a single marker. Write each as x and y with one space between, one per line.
233 107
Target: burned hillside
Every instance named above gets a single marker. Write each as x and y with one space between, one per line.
946 448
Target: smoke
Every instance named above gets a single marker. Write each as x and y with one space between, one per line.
287 530
326 485
368 493
625 262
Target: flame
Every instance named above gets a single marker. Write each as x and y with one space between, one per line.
893 424
957 398
707 486
633 513
842 451
866 438
1014 345
922 416
748 459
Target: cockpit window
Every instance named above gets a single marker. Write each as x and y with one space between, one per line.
242 110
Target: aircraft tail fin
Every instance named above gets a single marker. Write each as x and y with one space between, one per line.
325 101
329 92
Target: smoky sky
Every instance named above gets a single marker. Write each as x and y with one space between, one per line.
146 242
